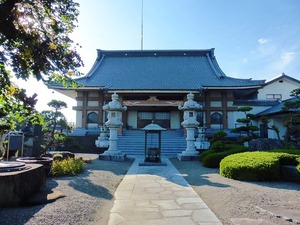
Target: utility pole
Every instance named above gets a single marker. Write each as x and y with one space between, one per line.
142 28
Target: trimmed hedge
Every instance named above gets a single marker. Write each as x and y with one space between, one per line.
212 159
289 151
256 166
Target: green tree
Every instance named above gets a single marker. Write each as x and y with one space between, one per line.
34 42
34 38
291 111
247 127
265 121
53 118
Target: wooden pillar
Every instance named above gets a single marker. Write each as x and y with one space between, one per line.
224 111
84 109
100 110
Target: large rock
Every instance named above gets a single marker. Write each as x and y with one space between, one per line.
17 186
265 144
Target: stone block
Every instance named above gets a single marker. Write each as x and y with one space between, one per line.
187 157
17 186
116 158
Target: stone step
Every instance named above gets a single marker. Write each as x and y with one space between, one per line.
132 142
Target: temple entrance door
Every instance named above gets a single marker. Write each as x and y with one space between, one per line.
160 118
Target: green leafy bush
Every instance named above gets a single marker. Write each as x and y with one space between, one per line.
218 146
255 166
67 167
289 151
211 158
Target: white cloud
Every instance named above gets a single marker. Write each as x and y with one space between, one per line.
285 60
263 41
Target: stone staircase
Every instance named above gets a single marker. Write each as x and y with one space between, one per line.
132 142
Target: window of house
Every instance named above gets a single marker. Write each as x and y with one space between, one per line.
274 96
92 117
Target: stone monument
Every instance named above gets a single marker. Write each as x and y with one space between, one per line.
102 141
114 109
189 108
201 142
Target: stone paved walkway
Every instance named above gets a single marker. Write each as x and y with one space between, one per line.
158 195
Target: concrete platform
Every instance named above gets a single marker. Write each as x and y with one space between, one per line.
158 195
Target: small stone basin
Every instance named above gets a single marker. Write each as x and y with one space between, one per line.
12 166
45 161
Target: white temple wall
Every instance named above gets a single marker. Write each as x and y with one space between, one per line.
79 119
132 119
175 120
231 120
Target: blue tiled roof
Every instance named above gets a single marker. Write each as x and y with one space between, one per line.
256 102
160 70
275 109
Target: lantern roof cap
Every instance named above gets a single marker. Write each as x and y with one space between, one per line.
153 126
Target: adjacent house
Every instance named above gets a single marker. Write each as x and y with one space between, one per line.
278 90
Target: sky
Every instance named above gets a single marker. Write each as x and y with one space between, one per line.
257 39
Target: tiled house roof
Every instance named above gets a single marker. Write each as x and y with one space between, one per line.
277 109
255 102
160 70
280 77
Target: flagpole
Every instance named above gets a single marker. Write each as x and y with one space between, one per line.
142 28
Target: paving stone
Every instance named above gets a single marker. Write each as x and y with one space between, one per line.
177 213
204 215
160 196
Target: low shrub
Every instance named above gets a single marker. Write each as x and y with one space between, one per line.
289 151
256 166
67 167
205 153
212 159
218 146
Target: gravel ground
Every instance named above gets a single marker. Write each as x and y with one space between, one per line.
89 196
235 199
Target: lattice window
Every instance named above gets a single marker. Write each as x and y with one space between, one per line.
162 116
145 115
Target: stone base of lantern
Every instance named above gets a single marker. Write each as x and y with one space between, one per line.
118 158
183 157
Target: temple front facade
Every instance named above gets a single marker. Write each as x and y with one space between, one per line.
153 83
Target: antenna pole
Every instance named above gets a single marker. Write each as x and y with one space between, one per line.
142 28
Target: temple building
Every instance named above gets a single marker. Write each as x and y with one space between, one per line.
153 83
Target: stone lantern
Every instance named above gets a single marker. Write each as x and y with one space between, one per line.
114 109
153 146
189 108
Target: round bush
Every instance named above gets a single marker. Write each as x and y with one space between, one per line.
255 166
